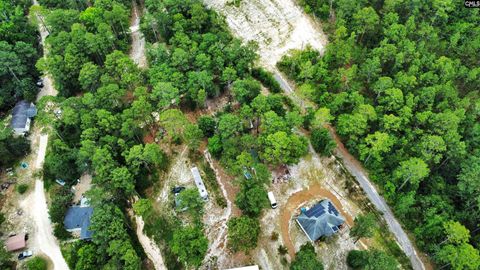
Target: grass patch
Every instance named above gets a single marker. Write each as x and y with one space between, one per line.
160 228
384 240
213 187
37 263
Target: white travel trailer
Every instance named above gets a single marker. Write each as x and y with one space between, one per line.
199 183
271 198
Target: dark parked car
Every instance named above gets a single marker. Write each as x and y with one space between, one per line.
40 83
25 254
176 190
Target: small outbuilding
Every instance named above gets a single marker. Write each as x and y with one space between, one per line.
199 183
77 219
16 242
322 219
22 114
252 267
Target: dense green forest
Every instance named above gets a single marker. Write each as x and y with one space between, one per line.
398 80
108 105
401 81
19 50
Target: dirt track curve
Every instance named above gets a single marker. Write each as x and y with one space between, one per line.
314 192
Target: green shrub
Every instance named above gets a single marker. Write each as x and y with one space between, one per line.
322 142
306 259
37 263
357 259
22 188
267 79
282 250
274 236
212 185
60 232
243 233
2 218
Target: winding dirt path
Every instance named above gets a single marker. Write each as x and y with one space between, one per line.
35 204
314 192
137 52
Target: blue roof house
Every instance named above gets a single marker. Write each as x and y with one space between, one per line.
322 219
22 114
77 219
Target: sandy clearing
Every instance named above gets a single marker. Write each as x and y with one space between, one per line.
276 25
83 186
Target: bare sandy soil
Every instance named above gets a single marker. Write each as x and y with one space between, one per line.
137 52
276 25
149 246
313 179
35 206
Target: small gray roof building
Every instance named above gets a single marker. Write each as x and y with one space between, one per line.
21 116
78 219
322 219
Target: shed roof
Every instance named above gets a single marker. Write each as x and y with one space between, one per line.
21 112
252 267
79 218
16 242
322 219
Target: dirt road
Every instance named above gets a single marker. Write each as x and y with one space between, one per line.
35 205
137 52
357 170
149 246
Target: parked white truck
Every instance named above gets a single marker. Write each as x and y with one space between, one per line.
273 201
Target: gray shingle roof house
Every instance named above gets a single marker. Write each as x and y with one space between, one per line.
22 114
77 219
322 219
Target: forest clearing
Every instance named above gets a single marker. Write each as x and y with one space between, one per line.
216 134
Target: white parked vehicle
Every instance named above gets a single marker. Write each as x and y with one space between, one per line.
273 201
25 254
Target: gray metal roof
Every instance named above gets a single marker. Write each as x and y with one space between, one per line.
79 218
322 219
21 112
